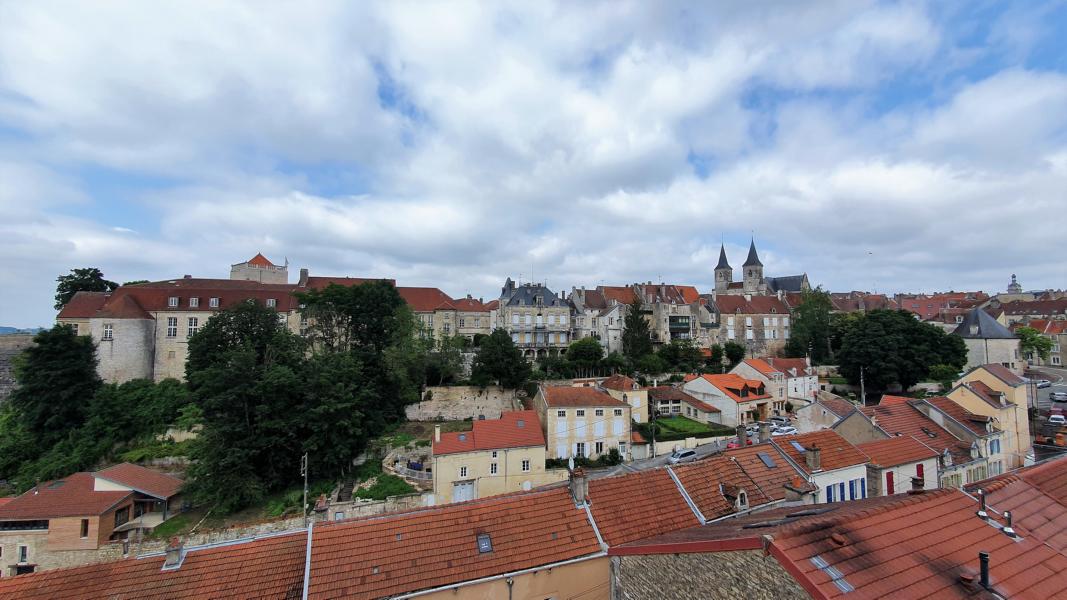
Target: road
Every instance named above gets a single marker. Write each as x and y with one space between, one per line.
1058 377
652 463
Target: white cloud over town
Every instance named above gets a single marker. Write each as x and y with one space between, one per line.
870 145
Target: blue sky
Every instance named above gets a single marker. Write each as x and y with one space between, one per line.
900 146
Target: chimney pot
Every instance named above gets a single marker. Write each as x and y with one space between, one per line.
917 484
437 434
983 560
303 277
813 456
1008 530
764 432
579 486
174 554
982 514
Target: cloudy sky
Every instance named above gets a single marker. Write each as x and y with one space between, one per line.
873 145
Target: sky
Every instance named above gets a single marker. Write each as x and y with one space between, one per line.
872 145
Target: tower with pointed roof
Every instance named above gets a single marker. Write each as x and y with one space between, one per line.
1014 287
753 272
724 273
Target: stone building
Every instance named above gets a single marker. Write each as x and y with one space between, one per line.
759 323
258 268
582 422
739 401
988 342
538 320
998 393
752 280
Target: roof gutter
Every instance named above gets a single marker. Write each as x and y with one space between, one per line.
456 586
307 561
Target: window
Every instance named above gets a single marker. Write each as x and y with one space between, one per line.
463 472
618 411
194 326
122 516
785 321
830 493
579 450
515 338
730 321
561 413
492 468
748 321
889 489
598 412
563 319
526 465
551 319
514 319
85 528
580 412
172 301
919 471
194 302
213 302
599 446
172 327
272 302
462 322
74 326
766 321
494 453
730 334
109 332
529 338
529 319
994 447
748 334
24 554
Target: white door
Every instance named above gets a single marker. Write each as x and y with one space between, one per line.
463 491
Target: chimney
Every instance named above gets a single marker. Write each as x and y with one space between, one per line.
303 277
764 432
437 434
655 382
742 435
579 486
174 554
983 560
1007 525
187 277
813 456
917 484
982 514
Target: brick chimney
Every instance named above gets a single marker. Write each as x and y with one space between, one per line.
303 277
813 457
764 432
174 554
579 486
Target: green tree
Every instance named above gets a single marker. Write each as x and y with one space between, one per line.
135 282
499 360
444 362
616 363
636 336
1032 343
90 279
56 381
244 372
735 353
681 355
810 327
585 356
651 364
893 347
944 374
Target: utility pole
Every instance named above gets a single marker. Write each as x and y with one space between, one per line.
304 472
654 412
863 389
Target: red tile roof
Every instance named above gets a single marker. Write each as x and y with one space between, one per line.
619 383
761 365
1050 327
469 304
1004 374
689 293
1036 497
667 392
836 453
770 480
989 395
83 305
559 396
619 294
384 556
758 305
903 418
260 261
4 501
154 296
638 505
318 283
516 429
122 306
978 424
267 568
71 496
146 481
792 367
708 482
1035 307
838 406
734 386
895 451
422 299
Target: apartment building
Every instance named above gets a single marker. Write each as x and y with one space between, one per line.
538 320
897 464
582 422
1056 331
759 323
739 401
626 389
829 462
785 378
998 393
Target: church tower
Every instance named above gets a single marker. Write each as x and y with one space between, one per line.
724 273
753 272
1014 287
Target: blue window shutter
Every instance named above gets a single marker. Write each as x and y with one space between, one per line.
841 490
852 489
863 487
829 493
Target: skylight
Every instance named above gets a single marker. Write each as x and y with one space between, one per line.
836 576
767 460
798 447
484 543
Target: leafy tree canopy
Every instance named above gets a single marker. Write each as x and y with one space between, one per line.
90 279
1032 343
499 360
810 330
735 353
681 355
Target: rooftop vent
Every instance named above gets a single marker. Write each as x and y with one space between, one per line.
484 543
56 484
462 437
174 555
520 424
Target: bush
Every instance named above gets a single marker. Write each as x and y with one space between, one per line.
385 486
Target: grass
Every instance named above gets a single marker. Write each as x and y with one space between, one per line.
682 425
174 525
157 449
838 380
386 485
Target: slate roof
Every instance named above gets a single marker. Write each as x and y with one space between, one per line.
72 496
146 481
786 283
83 305
525 294
723 263
988 327
515 429
561 397
895 451
753 258
837 452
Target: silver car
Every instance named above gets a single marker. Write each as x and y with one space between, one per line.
680 456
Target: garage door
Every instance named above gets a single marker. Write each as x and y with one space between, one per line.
463 491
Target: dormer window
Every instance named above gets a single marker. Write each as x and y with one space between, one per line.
172 301
213 302
194 302
742 501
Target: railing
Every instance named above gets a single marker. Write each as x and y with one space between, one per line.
403 471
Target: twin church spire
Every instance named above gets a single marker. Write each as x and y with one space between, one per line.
752 273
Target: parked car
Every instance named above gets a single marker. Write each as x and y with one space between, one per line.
1057 420
1058 396
780 421
785 431
680 456
1043 383
734 444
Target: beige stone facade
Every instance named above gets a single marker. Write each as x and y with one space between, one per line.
538 321
491 472
1008 409
587 425
585 579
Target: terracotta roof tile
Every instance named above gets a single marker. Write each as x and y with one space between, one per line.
897 451
143 480
1004 374
384 556
667 392
708 482
563 396
903 418
318 283
638 505
792 367
72 496
154 296
516 429
267 568
989 395
770 479
733 386
422 299
978 424
4 501
83 305
758 305
836 453
838 406
260 261
620 383
619 294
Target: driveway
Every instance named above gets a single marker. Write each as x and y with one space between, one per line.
658 461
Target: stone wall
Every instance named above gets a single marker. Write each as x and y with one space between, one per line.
455 403
708 575
10 347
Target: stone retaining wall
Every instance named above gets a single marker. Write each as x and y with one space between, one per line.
10 347
456 403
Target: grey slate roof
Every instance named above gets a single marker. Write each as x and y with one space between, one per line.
753 259
723 263
987 327
788 283
525 294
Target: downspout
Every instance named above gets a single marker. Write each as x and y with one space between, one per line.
307 561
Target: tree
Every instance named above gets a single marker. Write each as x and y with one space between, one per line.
135 282
810 330
636 336
585 356
499 360
681 355
244 372
1032 343
735 353
89 279
444 361
616 363
944 374
651 364
56 381
893 347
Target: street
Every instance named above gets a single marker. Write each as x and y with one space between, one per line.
658 461
1058 377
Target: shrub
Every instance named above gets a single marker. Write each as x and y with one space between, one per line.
386 485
